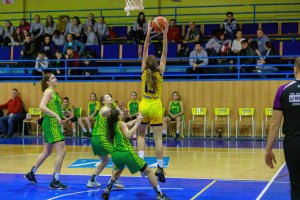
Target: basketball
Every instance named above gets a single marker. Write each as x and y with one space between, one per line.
159 23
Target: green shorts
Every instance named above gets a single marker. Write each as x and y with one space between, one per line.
129 159
100 148
52 130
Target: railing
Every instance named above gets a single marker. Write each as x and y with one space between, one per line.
258 13
130 70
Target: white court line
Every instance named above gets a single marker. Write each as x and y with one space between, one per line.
136 188
270 182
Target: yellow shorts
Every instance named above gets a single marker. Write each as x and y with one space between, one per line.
151 109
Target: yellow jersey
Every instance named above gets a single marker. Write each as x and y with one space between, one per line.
148 92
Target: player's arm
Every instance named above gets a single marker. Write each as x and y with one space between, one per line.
182 111
146 46
163 58
273 131
169 109
129 132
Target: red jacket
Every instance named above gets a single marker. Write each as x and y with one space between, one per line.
174 34
13 105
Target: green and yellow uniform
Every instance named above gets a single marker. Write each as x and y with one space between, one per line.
175 107
92 106
100 144
151 106
133 107
51 127
124 155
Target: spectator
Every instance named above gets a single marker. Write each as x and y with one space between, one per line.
76 28
90 22
89 63
37 30
261 41
75 44
1 35
63 24
58 64
247 51
41 63
268 60
50 25
69 116
140 27
29 51
112 33
237 43
25 32
174 34
48 47
194 35
198 59
133 109
24 25
73 55
230 26
18 37
58 38
8 32
101 29
91 36
14 108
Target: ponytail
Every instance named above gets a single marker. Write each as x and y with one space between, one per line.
151 80
112 121
44 83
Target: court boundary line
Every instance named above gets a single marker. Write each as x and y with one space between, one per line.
203 190
270 182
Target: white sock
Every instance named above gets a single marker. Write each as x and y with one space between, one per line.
74 130
160 163
164 131
141 154
34 169
90 130
56 176
177 131
157 189
84 130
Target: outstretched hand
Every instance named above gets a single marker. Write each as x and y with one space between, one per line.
139 119
165 31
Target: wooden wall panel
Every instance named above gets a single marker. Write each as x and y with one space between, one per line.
232 94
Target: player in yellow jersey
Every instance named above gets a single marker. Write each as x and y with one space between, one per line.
151 106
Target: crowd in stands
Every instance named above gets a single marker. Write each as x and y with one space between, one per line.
68 38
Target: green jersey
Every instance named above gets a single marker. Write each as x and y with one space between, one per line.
121 143
92 106
54 105
175 107
133 107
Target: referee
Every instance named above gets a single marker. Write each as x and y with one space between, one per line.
287 105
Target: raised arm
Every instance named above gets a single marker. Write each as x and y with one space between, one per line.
129 132
146 46
163 58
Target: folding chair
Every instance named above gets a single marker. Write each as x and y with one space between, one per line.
182 127
200 113
222 118
246 117
32 116
268 113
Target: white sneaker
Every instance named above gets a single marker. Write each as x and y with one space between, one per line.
93 184
117 184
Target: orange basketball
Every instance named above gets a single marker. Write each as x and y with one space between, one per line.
159 23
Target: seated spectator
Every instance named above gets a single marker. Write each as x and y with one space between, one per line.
14 108
1 35
247 51
194 35
58 38
91 37
174 112
41 63
76 29
230 26
8 32
218 46
73 62
17 37
133 108
29 51
102 29
174 34
90 22
76 45
69 117
37 30
112 33
58 64
93 109
24 25
261 41
237 43
139 28
48 47
89 63
50 26
198 59
268 60
63 24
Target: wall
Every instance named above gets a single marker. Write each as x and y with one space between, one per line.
232 94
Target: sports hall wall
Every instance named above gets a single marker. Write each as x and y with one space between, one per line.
38 5
232 94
